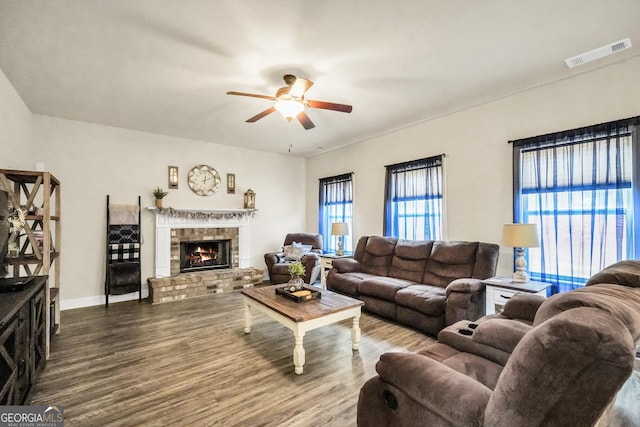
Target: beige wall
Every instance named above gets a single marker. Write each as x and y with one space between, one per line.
478 158
92 161
15 129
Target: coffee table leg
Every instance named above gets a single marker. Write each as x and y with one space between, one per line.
247 319
355 333
298 353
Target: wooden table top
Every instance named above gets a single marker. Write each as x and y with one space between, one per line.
329 303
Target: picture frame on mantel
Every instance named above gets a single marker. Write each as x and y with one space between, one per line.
231 183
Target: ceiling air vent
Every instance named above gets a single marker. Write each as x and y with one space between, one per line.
598 53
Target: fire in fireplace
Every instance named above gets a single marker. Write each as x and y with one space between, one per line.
205 255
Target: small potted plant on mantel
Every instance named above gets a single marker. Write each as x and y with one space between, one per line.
159 194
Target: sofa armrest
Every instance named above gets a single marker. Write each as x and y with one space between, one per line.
503 334
346 265
466 285
465 300
452 395
311 262
272 258
523 305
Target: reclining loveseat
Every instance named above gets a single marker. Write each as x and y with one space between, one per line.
542 362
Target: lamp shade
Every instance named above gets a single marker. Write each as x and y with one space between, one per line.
520 235
339 229
289 108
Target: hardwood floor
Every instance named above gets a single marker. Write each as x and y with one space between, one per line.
189 363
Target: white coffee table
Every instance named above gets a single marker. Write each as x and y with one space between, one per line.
301 317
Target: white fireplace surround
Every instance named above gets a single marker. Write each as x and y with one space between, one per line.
219 218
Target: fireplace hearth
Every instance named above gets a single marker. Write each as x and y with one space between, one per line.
174 227
204 255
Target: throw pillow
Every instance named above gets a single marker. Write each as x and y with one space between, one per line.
292 253
305 248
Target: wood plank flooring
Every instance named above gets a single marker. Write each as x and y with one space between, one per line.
189 363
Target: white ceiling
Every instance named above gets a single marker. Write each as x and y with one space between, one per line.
164 66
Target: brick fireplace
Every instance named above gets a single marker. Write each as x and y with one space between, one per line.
181 235
175 227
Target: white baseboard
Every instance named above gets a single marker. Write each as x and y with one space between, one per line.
70 304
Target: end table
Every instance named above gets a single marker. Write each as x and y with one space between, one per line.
500 289
326 264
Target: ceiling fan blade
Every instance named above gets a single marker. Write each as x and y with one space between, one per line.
329 106
251 94
305 121
261 115
300 87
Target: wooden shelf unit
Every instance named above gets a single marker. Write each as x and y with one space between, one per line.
38 193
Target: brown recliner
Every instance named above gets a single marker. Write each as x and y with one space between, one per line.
278 264
554 362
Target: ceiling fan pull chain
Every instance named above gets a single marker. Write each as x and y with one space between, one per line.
290 137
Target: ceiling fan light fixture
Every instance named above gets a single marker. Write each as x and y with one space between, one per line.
289 108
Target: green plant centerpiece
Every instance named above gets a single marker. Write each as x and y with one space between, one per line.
159 194
296 271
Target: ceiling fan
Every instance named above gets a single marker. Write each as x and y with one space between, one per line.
290 101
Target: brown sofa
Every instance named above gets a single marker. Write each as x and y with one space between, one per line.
278 264
542 362
423 284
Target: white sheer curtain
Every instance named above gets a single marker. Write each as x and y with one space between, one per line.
413 202
578 187
336 205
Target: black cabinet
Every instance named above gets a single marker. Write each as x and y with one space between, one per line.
22 341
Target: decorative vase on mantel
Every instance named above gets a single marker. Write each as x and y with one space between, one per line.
158 203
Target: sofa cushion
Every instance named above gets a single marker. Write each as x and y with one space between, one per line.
477 367
571 365
620 302
382 287
449 261
346 283
621 273
292 253
377 256
428 324
425 299
378 306
409 259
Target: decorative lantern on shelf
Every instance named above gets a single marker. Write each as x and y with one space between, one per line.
249 199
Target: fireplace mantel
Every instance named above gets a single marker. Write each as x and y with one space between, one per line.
203 214
170 218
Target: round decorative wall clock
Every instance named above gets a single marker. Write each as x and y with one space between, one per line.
203 180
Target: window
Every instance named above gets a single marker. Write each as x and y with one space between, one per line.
413 200
578 186
336 205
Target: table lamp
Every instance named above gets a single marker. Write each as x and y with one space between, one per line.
520 236
339 229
